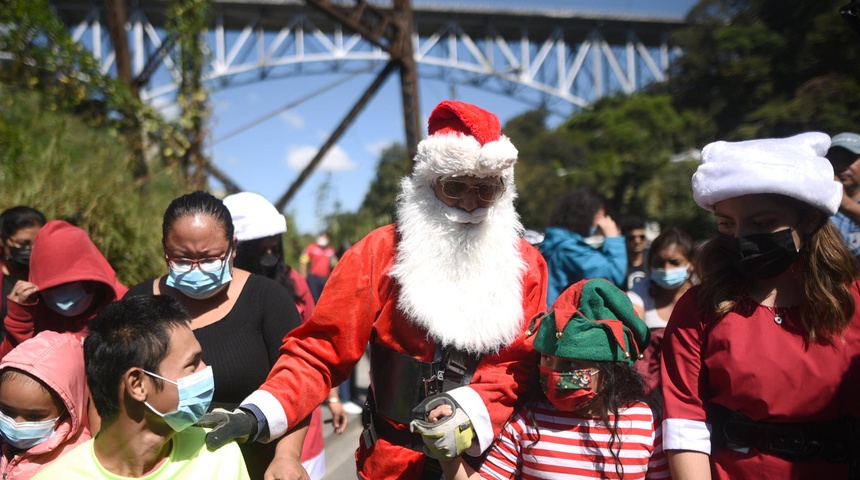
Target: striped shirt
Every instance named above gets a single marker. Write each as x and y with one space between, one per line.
571 446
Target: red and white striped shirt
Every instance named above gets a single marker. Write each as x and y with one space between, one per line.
568 446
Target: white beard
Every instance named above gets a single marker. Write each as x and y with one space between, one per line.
460 278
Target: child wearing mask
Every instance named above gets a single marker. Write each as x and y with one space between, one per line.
590 420
43 403
70 281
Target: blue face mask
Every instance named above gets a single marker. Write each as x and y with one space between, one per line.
26 435
69 300
670 278
195 395
198 284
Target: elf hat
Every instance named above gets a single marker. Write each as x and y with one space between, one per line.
793 166
591 320
464 140
254 216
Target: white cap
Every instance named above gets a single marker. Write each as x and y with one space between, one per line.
254 216
793 166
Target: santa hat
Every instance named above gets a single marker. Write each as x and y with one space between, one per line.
793 166
464 140
254 216
591 320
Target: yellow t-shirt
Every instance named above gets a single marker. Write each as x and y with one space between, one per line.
188 458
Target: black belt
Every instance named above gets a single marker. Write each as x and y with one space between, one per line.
832 440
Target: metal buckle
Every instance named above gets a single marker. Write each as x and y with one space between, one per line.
431 385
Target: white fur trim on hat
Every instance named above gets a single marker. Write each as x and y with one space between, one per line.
793 166
254 216
453 154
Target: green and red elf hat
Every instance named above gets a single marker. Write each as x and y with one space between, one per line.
591 320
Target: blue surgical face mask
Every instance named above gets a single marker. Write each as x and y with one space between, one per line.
69 300
195 395
670 278
198 284
26 435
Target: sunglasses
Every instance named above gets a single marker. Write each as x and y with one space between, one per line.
457 189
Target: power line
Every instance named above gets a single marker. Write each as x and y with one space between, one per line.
290 105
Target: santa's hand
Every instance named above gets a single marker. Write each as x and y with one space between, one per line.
238 425
444 437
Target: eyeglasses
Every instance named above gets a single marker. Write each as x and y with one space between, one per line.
457 189
208 265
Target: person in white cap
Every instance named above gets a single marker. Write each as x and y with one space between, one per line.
443 296
761 376
844 155
259 227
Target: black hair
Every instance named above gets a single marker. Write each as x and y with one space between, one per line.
672 236
248 258
132 332
19 217
198 203
13 374
621 387
629 223
576 209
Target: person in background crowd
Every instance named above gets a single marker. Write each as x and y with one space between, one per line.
18 228
670 265
443 297
844 156
315 264
239 319
633 230
581 243
760 370
591 420
149 384
43 403
70 281
259 228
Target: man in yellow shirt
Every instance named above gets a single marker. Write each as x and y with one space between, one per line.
149 385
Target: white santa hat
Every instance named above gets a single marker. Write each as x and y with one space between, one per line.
793 166
254 216
464 140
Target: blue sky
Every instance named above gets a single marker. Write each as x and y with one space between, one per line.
268 157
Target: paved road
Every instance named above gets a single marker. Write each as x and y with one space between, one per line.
340 449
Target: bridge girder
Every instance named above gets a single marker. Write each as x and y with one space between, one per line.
540 57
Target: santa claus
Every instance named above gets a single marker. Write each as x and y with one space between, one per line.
443 297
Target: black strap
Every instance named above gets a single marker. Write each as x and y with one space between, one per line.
826 440
458 368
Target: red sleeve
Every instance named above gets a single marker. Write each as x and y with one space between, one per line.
684 379
323 351
20 326
305 304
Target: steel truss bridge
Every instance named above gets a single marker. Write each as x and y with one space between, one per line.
547 58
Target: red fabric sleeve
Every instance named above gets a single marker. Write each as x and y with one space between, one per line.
684 384
324 351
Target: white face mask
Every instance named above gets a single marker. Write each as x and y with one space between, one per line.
69 300
322 241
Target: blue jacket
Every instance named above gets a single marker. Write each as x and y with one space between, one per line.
569 259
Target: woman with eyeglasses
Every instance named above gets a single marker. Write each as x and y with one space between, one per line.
582 243
239 319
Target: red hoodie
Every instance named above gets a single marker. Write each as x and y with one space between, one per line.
62 254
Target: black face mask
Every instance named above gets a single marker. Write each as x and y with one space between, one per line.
269 260
763 255
21 256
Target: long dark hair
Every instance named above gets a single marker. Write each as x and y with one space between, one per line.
248 258
828 270
622 386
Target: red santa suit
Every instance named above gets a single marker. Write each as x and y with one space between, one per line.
440 277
